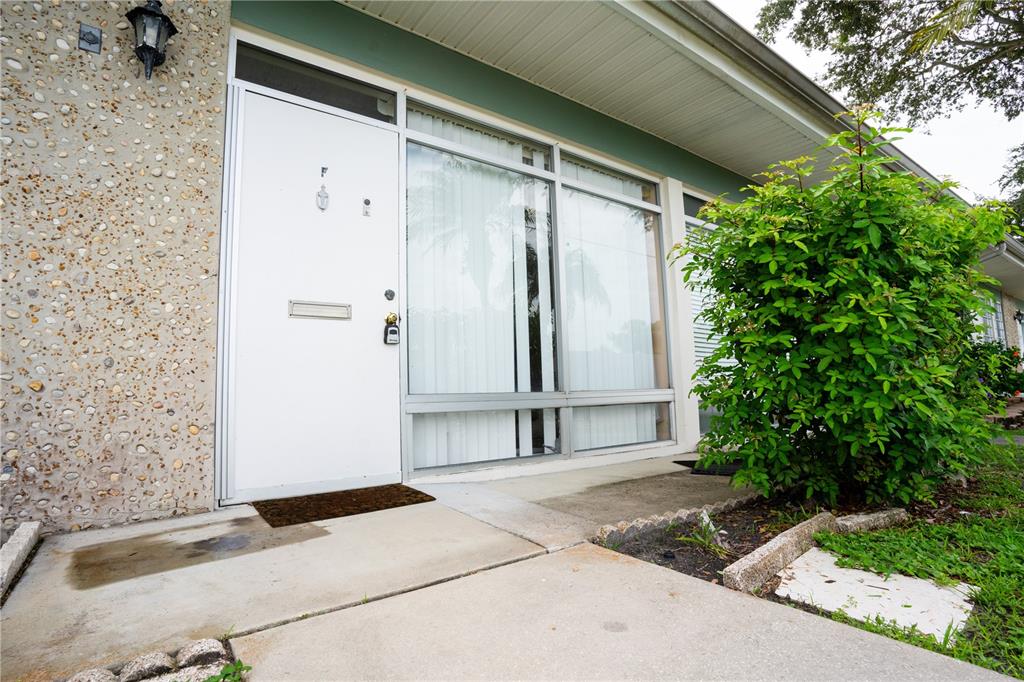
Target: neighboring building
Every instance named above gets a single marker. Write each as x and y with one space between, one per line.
1005 263
198 268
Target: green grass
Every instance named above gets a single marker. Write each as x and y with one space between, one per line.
984 548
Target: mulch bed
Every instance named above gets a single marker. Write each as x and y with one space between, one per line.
753 525
292 510
747 528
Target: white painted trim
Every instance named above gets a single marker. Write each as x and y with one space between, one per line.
687 410
311 488
704 54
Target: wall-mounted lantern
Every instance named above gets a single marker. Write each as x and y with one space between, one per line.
152 29
1019 316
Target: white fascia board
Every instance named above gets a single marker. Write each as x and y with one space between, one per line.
721 66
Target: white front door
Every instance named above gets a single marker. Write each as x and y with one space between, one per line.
312 394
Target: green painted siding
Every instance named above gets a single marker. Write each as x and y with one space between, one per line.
348 33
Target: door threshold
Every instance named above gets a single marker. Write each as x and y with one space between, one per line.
524 467
246 495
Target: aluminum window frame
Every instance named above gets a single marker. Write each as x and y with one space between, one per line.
564 400
410 404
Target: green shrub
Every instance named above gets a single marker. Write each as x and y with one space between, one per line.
847 309
998 367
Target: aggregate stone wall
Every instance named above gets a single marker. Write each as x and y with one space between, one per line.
1012 328
111 205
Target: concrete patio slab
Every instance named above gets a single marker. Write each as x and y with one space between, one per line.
561 509
559 484
634 498
584 613
815 579
101 597
550 529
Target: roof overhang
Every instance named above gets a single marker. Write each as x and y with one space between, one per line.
683 71
1005 262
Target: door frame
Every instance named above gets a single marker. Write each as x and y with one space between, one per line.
225 493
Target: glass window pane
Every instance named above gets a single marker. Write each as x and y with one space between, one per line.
692 204
302 80
461 437
614 324
601 177
480 277
480 137
610 425
992 319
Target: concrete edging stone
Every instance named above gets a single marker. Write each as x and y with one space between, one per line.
194 662
750 572
14 552
855 523
614 534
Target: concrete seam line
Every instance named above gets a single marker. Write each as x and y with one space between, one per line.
14 552
385 595
750 572
613 534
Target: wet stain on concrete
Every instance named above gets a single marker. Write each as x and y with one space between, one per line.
615 626
227 543
111 562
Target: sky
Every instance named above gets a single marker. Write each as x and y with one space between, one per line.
970 146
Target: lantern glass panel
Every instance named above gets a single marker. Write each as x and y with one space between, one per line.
152 30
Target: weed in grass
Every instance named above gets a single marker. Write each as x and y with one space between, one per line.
984 547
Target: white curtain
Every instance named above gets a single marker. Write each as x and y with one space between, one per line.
469 228
479 138
613 182
609 272
606 426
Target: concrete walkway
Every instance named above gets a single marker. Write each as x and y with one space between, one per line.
494 580
584 613
102 597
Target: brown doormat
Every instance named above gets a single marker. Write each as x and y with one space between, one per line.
291 510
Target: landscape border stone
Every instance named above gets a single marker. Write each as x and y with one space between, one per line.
146 665
194 662
14 552
201 652
854 523
615 534
750 572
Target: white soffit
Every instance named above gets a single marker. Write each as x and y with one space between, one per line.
1005 262
628 61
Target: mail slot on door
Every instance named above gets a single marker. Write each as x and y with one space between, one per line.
319 311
